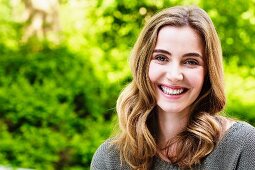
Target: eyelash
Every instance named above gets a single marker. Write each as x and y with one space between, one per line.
191 62
161 58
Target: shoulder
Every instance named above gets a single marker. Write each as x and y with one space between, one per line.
106 157
248 136
235 147
239 135
247 155
243 131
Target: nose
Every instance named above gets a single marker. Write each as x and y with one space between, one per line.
174 74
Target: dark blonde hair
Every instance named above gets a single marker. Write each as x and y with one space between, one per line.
137 141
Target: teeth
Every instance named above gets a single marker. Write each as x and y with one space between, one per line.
169 91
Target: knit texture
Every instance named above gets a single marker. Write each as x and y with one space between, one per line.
236 151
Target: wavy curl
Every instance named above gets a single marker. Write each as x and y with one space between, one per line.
137 138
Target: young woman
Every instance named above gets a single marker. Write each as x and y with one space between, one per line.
169 113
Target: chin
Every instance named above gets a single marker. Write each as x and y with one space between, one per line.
172 110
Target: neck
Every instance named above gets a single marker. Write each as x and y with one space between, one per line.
170 125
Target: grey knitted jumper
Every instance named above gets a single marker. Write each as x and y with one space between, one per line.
236 150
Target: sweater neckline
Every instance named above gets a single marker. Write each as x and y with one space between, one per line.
231 129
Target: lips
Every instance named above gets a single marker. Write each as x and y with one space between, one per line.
172 90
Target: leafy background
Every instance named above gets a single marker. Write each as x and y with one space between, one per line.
57 101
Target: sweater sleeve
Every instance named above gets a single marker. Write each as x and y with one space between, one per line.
247 156
99 158
107 157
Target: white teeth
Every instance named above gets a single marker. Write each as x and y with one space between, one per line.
170 91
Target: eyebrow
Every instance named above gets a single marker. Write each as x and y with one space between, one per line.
185 55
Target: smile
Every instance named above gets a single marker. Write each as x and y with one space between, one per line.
172 91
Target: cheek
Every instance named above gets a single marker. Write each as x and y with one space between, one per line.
153 73
196 78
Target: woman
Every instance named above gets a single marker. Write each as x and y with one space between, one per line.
169 113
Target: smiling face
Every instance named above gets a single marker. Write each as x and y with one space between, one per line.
177 69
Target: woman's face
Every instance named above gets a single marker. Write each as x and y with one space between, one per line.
177 69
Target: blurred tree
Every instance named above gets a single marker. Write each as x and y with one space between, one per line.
234 21
41 20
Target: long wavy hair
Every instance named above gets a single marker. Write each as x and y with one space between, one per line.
137 138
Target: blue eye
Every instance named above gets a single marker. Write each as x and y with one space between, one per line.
160 58
191 62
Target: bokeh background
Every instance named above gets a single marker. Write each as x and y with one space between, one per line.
63 64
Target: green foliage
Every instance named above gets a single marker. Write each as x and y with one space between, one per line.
234 21
57 101
49 101
240 84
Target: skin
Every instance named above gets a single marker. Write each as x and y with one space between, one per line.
177 66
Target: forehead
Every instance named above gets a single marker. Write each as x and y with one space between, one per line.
179 39
178 32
